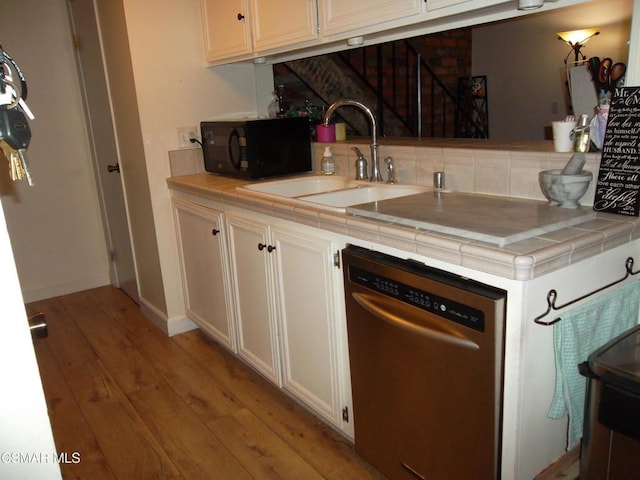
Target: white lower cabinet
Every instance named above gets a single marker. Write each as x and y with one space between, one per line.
271 291
308 289
205 273
253 293
290 311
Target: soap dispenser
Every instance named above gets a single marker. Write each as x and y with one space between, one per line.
328 165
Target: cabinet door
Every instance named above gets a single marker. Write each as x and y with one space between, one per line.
435 4
307 311
340 16
253 294
225 29
205 270
278 23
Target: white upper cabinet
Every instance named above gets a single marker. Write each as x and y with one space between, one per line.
281 30
278 23
242 29
340 16
435 4
226 30
466 5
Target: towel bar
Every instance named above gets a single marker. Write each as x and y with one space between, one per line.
553 294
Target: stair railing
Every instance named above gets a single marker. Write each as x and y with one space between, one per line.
406 88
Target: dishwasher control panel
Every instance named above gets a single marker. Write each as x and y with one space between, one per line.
429 302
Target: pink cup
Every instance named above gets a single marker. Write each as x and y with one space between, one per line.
326 134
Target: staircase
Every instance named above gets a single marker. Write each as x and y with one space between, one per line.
394 79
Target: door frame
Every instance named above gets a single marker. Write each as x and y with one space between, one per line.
98 108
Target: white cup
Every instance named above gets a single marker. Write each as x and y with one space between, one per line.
562 141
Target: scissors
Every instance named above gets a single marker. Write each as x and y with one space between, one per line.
610 75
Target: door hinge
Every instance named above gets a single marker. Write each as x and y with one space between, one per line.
113 256
336 259
76 42
345 414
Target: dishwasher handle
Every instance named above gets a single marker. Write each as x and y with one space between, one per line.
369 304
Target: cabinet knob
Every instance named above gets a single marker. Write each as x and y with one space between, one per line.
240 17
215 231
262 246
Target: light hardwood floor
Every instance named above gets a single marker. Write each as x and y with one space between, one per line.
136 404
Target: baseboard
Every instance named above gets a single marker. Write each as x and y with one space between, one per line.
180 325
49 291
170 326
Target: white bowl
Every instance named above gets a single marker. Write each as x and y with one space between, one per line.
564 190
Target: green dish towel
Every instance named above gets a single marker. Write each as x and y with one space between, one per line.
582 330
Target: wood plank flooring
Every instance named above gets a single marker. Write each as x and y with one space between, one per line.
136 404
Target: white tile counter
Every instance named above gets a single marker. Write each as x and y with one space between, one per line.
519 260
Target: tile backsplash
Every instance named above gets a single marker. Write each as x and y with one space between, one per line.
186 161
510 170
512 173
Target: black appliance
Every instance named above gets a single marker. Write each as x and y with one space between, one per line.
611 437
257 148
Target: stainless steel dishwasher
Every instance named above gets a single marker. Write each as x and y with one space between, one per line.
426 355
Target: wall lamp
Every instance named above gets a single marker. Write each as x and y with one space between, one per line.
576 40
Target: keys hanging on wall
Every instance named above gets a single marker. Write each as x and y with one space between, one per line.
16 135
18 164
13 91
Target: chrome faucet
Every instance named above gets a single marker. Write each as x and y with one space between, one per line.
375 163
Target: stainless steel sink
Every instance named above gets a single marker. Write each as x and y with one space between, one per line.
333 193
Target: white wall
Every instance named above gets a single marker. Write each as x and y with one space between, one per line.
55 226
174 89
524 63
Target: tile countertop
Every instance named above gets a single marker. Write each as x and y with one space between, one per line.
520 260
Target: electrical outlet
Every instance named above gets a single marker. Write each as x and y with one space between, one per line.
185 134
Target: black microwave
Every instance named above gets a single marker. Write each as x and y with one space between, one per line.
257 148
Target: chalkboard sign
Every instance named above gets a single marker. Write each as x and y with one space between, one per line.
618 185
